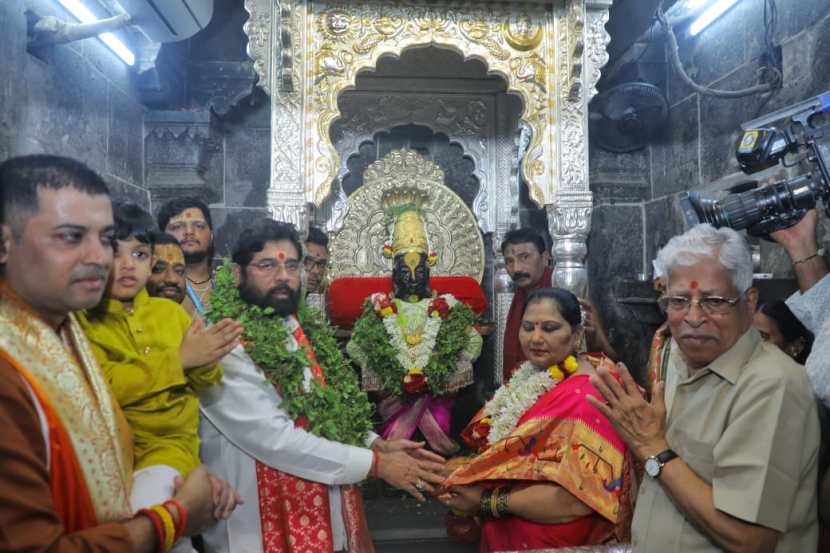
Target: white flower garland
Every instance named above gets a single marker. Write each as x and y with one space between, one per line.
513 399
417 356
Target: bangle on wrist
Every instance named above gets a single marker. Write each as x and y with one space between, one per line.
169 526
501 503
182 523
494 501
484 502
158 526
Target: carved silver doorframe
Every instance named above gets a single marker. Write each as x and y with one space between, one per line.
307 51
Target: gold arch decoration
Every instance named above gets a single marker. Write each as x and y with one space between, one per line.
516 42
452 229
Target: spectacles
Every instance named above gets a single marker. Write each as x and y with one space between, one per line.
267 266
710 305
311 264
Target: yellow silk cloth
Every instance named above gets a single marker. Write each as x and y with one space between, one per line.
138 351
65 372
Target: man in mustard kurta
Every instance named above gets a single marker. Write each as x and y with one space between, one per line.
156 362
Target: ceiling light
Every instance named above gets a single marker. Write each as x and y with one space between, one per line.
695 4
713 12
82 14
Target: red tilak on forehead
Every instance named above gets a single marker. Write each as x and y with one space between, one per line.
188 215
280 256
694 285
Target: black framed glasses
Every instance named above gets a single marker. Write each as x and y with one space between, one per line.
310 263
268 266
710 305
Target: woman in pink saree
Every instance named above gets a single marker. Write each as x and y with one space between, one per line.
550 469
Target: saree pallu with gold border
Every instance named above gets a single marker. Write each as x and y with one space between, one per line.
89 441
562 439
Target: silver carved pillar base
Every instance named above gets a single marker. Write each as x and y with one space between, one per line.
503 292
569 226
291 210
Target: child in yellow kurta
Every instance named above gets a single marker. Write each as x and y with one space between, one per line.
155 360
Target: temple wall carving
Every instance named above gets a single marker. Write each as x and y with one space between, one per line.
306 53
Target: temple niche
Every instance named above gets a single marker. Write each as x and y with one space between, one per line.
449 110
495 94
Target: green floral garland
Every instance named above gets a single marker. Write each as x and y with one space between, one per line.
370 336
339 411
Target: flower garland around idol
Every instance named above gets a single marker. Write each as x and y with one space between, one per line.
339 410
408 365
512 400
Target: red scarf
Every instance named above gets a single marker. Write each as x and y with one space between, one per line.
294 512
513 355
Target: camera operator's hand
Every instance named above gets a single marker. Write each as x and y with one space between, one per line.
799 241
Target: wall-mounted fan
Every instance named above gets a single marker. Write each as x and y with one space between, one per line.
626 117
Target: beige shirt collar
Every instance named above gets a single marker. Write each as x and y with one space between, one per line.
730 364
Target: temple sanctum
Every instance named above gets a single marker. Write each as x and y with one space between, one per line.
588 121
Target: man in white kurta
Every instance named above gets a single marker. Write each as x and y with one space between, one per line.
241 424
279 469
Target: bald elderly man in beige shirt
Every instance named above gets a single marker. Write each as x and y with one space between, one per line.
730 438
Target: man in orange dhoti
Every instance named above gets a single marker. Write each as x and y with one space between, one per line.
66 452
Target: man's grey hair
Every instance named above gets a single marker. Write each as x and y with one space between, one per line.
725 245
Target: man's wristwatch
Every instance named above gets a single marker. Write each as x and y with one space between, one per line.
655 463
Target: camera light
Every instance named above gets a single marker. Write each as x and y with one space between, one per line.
82 14
712 13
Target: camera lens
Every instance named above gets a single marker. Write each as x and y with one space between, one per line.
761 210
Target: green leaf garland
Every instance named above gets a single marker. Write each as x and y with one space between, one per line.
371 338
340 410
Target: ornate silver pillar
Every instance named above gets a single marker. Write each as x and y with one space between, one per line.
582 53
272 29
569 227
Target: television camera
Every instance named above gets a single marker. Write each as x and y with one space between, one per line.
761 210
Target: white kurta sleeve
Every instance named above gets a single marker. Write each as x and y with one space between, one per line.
813 309
244 408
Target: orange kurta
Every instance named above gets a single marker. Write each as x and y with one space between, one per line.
65 454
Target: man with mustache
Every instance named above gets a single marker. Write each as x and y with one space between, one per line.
730 438
527 261
188 220
167 278
298 481
66 452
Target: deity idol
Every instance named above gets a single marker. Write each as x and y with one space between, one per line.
415 347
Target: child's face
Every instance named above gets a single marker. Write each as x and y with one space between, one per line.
131 269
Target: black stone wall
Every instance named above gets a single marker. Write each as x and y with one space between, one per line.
79 100
636 195
210 133
698 148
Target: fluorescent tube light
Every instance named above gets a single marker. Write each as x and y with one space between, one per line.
695 4
713 12
82 14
